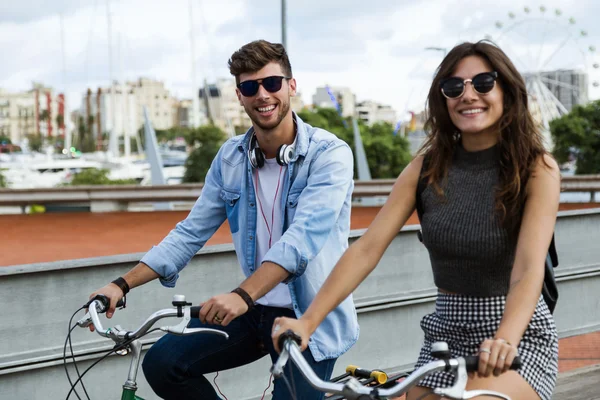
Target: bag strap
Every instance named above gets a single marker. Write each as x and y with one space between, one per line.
552 253
421 185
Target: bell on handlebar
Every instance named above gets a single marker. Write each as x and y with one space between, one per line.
179 302
440 350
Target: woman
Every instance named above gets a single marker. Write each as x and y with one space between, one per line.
490 206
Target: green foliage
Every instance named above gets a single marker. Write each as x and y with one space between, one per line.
5 140
577 136
35 142
2 180
204 135
207 140
387 155
94 176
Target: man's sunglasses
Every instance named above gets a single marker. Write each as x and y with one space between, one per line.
272 84
454 87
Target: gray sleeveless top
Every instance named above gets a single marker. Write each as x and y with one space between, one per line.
471 252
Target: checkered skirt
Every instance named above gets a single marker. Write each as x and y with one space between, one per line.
465 321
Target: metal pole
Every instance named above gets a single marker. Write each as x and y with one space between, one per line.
113 145
67 142
195 117
283 26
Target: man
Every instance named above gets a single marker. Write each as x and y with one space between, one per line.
285 188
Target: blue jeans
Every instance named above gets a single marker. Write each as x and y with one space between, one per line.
174 366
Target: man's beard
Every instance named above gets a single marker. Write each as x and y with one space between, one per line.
283 109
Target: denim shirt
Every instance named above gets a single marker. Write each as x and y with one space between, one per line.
316 202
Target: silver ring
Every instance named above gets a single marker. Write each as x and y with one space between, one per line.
485 350
276 328
502 357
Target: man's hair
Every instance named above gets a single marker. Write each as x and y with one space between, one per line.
255 55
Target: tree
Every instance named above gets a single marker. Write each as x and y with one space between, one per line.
387 155
576 137
94 176
35 142
207 140
2 180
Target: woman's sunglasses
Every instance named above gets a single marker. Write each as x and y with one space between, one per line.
272 84
453 88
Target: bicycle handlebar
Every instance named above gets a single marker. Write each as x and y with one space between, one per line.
352 389
99 304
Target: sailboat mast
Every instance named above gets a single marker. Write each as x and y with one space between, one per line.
66 131
195 117
113 144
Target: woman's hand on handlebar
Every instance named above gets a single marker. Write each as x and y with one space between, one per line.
299 327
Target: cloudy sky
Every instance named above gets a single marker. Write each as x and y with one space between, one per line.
375 47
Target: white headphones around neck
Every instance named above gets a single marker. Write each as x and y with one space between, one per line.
284 154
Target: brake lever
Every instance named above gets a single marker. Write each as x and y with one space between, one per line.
181 329
476 393
458 392
284 356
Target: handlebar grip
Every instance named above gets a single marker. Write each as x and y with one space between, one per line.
289 335
379 376
472 363
195 312
105 302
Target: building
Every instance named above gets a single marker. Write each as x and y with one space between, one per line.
97 111
128 116
183 113
36 111
158 101
371 112
219 105
332 97
570 87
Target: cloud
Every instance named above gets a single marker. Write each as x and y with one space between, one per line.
20 12
377 48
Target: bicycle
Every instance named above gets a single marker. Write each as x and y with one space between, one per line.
352 389
129 341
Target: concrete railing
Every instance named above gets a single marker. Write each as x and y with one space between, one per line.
38 300
114 198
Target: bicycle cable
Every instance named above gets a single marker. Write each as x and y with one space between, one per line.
68 340
292 387
113 350
218 388
265 391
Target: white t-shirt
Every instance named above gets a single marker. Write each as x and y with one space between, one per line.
269 225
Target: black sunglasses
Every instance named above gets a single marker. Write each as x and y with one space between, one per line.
272 84
454 87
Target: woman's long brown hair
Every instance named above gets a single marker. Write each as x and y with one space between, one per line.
520 140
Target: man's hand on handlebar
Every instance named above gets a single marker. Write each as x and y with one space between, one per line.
114 294
299 327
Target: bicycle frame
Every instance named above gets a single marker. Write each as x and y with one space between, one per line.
130 385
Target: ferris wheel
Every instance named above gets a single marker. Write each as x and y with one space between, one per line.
556 56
